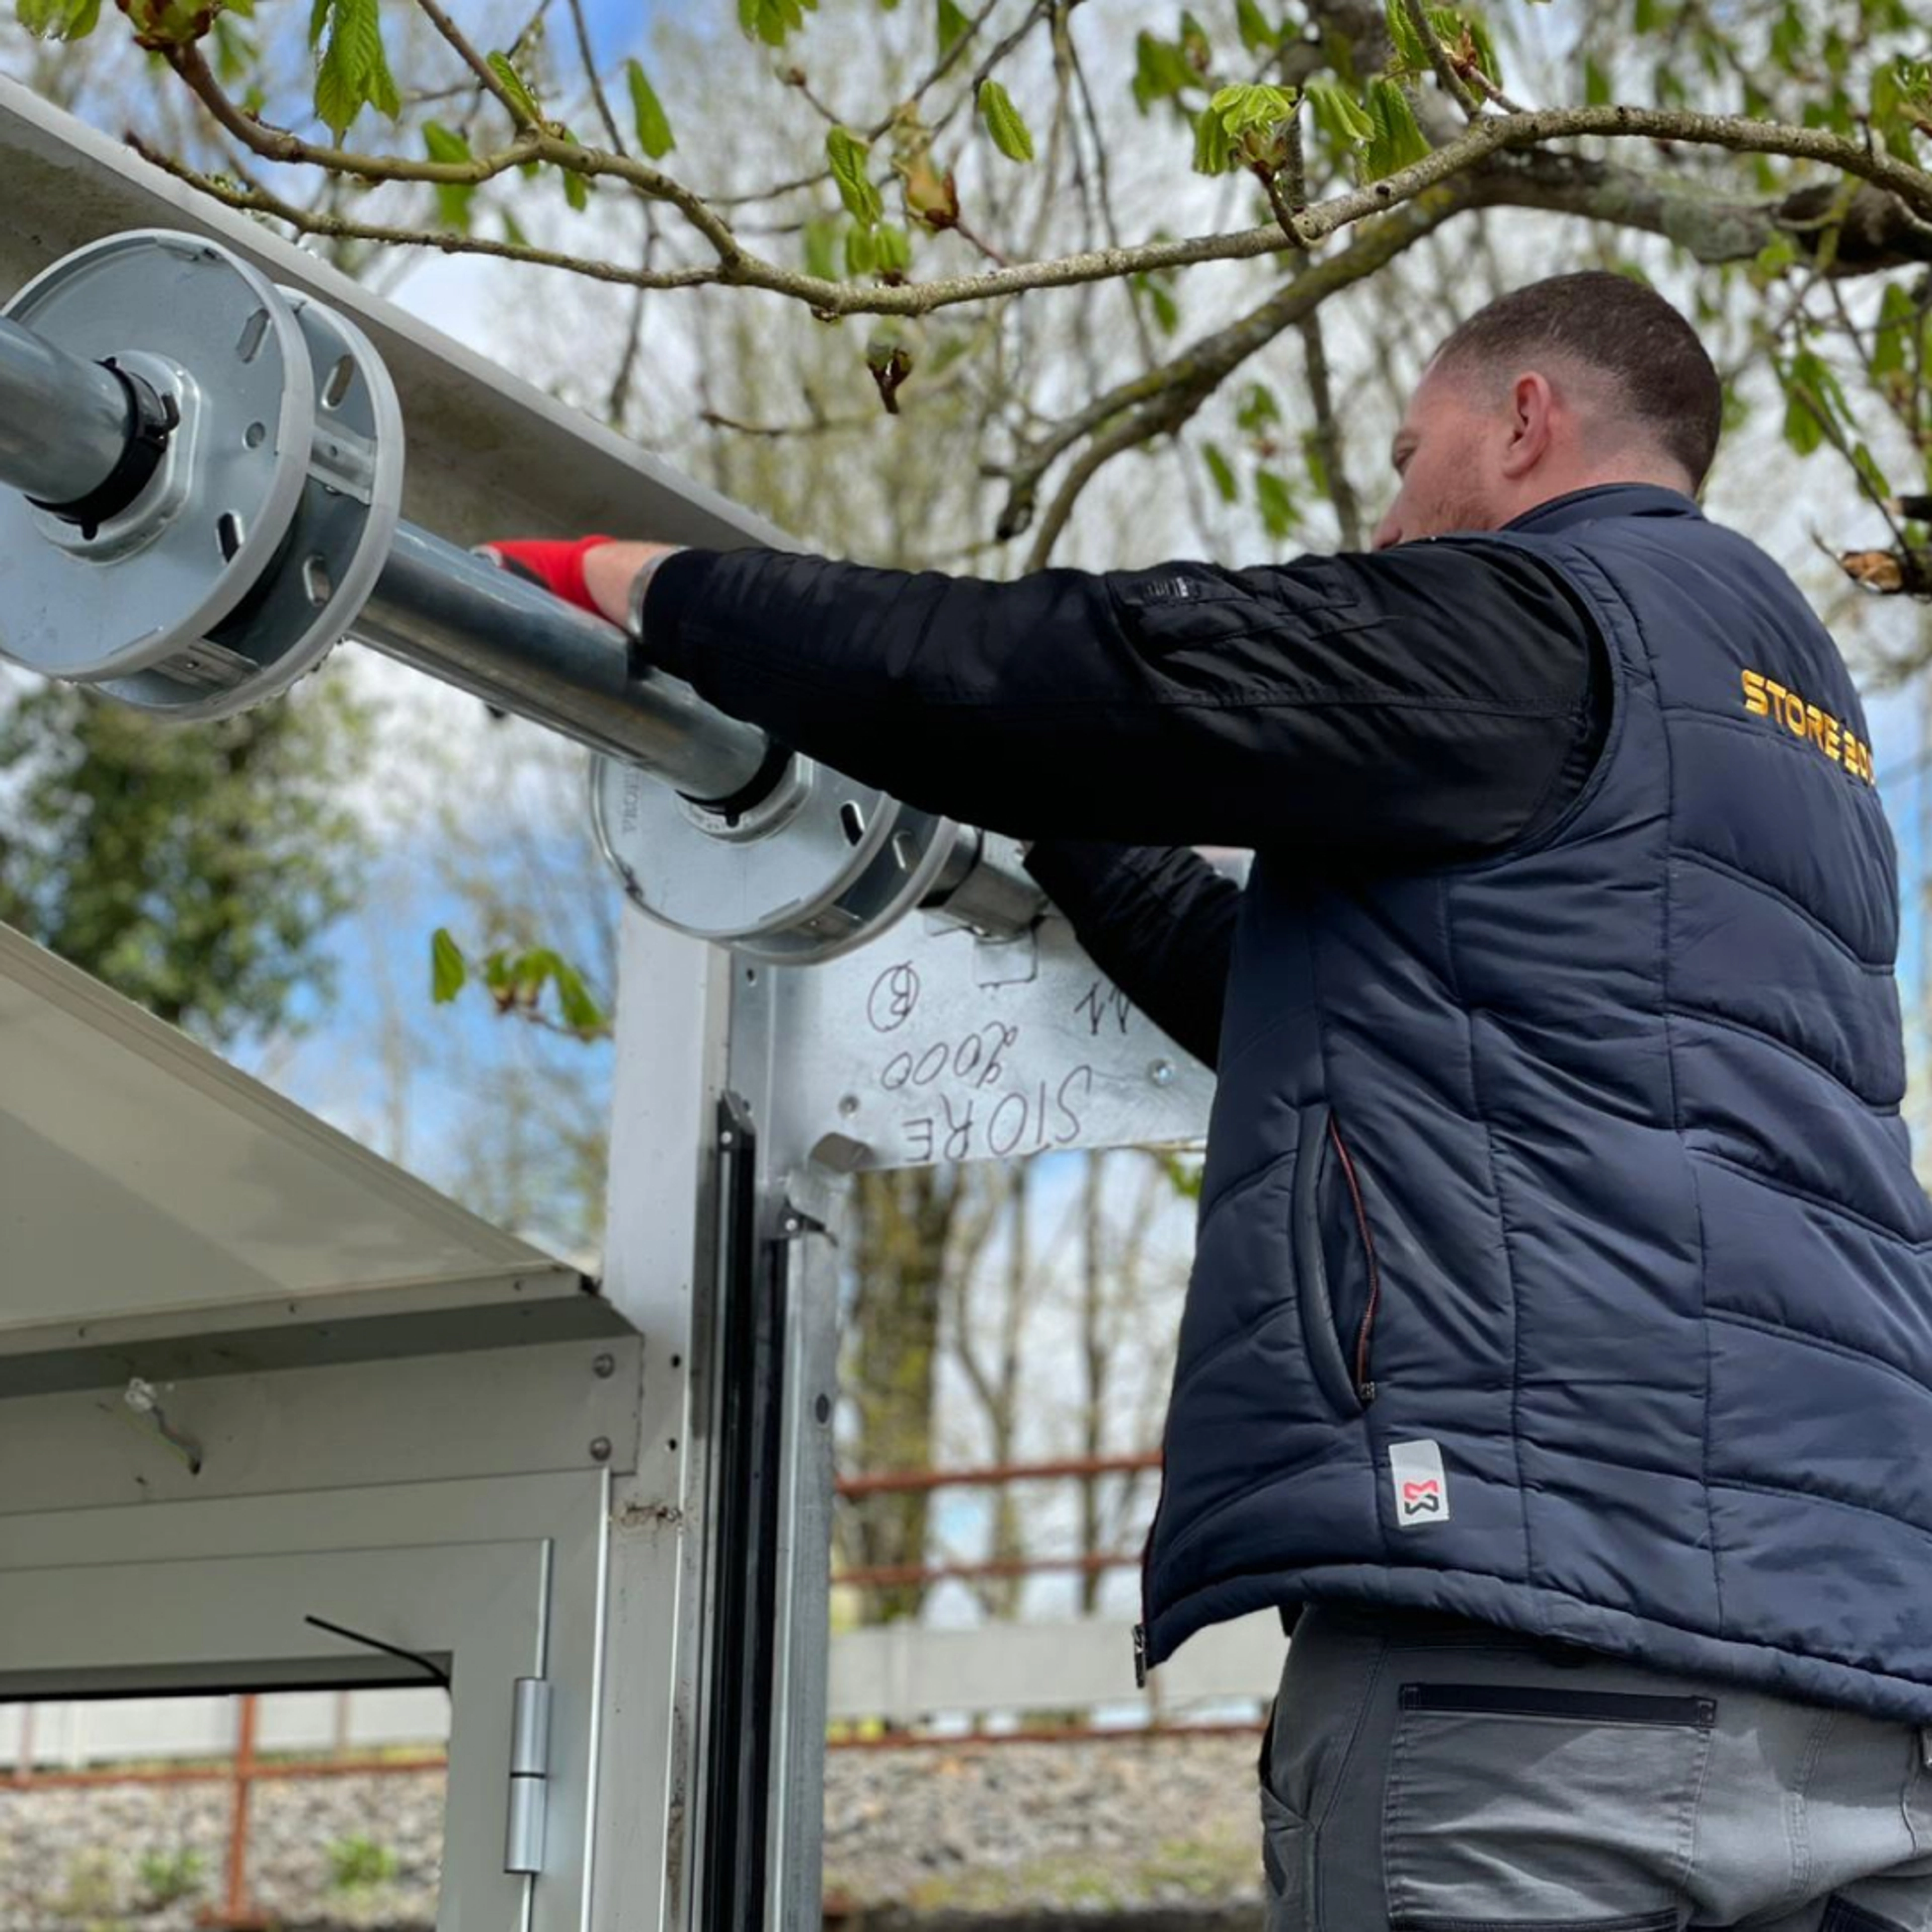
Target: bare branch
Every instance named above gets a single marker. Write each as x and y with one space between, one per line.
1453 82
1328 433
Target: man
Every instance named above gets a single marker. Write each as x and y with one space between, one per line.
1560 1337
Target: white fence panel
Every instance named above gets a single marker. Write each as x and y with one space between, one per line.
901 1674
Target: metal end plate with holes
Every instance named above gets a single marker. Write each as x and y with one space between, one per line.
345 521
829 864
934 1044
203 327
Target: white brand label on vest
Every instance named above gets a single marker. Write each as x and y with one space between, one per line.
1421 1489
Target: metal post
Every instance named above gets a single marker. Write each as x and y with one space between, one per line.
63 422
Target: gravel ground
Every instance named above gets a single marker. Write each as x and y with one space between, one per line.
1157 1835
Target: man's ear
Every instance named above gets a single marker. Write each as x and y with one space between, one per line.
1531 403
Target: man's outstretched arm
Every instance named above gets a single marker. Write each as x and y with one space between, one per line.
1385 711
1398 708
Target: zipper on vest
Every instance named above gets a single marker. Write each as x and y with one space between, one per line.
1365 1386
1146 1557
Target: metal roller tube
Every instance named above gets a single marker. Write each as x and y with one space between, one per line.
463 620
63 422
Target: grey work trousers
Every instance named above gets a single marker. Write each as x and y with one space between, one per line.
1427 1774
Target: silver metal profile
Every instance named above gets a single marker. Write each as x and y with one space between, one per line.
63 422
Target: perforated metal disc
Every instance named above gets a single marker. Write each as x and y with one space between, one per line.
200 323
842 866
344 522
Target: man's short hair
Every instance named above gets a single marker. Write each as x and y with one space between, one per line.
1658 369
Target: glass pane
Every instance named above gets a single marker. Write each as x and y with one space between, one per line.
291 1808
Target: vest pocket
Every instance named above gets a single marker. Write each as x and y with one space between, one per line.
1338 1285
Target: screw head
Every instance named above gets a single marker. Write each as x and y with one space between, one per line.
848 1104
600 1449
1161 1072
604 1367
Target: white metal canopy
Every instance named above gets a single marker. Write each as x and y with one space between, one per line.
145 1186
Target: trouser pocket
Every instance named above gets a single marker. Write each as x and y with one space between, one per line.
1541 1810
1284 1849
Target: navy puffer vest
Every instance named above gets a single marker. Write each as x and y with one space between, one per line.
1560 1263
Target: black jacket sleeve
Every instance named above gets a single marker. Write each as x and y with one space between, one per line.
1159 923
1419 701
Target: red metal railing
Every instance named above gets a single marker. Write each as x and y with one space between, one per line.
994 1475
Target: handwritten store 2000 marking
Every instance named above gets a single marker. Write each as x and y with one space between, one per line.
1015 1120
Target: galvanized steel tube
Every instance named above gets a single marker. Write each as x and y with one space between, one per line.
63 422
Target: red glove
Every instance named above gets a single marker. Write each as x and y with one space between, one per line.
557 566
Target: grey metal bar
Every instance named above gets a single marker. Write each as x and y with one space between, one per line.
462 619
63 422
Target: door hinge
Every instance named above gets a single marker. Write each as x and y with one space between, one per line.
530 1774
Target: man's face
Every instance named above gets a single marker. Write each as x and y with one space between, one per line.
1446 453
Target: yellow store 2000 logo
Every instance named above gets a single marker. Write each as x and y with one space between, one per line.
1765 697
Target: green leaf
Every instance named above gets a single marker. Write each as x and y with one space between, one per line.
1901 106
771 20
893 250
318 20
354 72
1160 301
1596 82
1161 70
513 232
862 249
448 970
1276 502
516 88
654 134
581 1013
1196 47
1214 153
819 238
1339 114
847 154
452 198
1775 257
576 189
1398 141
58 20
1257 36
1869 474
1409 50
952 24
1222 473
1897 318
1249 111
1256 409
1003 122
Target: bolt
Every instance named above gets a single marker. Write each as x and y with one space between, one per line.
724 1140
1161 1072
848 1104
604 1367
600 1449
792 1224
